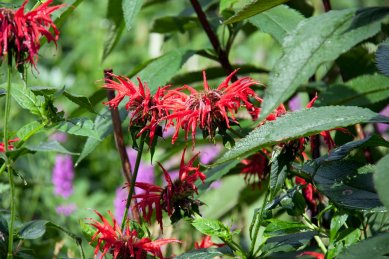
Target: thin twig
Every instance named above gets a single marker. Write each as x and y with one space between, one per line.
221 53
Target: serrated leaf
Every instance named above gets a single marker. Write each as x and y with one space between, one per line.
361 91
44 90
348 184
315 41
30 128
278 227
278 21
212 227
26 99
82 101
368 15
373 247
131 9
252 8
161 70
208 253
115 28
299 124
381 180
50 146
80 127
382 57
169 24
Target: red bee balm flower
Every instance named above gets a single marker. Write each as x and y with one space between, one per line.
175 197
146 109
256 166
124 244
20 32
10 146
210 109
206 242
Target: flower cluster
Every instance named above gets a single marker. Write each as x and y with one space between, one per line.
20 32
211 110
175 198
124 244
10 146
256 167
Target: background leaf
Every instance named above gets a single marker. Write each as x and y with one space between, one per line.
50 146
130 9
368 15
374 247
382 57
305 50
381 180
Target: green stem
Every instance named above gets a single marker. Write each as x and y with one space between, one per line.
3 168
257 226
134 175
7 162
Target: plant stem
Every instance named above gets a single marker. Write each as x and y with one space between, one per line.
257 226
132 187
221 53
7 162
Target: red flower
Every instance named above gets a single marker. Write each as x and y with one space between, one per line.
255 166
20 32
310 193
175 197
10 146
206 242
313 254
145 109
126 244
210 109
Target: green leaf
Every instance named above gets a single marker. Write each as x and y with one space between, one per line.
212 227
278 227
30 128
277 171
252 8
348 184
80 127
286 243
50 146
278 21
208 253
44 90
169 24
361 91
161 70
88 231
299 124
33 229
381 180
116 26
26 99
382 57
336 223
374 247
82 101
368 15
315 41
131 9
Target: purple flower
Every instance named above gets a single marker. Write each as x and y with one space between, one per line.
382 127
63 174
59 136
66 209
294 103
208 153
120 203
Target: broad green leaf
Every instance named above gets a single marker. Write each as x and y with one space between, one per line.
299 124
252 8
278 21
26 98
131 9
44 90
82 101
348 184
115 28
278 227
31 128
368 15
161 70
374 247
315 41
382 57
208 253
174 23
33 229
287 243
381 180
50 146
336 223
361 91
212 227
278 169
80 127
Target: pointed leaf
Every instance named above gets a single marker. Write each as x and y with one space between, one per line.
80 127
278 21
381 180
368 15
131 9
252 8
315 41
299 124
33 229
26 98
82 101
212 227
50 146
31 128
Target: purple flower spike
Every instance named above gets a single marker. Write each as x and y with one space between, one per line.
63 174
120 203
